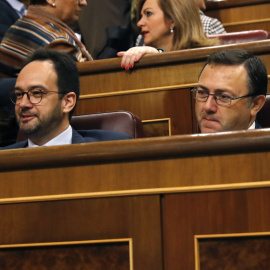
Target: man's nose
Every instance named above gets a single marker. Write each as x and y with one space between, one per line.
24 101
210 104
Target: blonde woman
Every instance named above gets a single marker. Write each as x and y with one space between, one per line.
167 25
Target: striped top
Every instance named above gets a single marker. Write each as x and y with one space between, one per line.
27 35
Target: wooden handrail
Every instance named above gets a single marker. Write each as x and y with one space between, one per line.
246 141
191 55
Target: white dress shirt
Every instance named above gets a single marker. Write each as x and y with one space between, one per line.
64 138
252 126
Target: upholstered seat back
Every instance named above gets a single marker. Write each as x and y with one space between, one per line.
121 121
241 37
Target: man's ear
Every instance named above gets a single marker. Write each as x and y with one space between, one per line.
68 102
257 104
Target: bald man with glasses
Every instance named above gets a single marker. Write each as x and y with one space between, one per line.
231 91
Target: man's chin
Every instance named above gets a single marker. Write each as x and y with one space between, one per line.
211 128
28 129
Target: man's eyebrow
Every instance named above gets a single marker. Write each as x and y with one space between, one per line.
216 90
31 88
224 91
203 87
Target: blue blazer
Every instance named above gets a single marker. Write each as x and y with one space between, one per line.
83 136
257 125
8 16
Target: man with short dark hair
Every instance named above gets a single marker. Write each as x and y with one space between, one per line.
45 96
231 91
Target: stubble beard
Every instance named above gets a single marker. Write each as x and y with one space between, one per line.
40 127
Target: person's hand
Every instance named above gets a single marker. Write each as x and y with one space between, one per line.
134 54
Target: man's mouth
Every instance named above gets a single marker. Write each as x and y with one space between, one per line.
26 117
210 119
209 122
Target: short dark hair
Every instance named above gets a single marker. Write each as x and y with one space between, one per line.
66 69
256 69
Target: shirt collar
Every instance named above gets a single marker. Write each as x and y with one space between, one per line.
64 138
19 7
252 126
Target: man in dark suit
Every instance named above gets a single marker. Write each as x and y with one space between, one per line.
231 91
105 26
45 97
9 15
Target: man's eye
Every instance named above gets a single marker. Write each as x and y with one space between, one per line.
37 93
18 94
224 97
202 93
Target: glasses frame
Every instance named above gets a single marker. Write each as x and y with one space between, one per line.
195 89
28 96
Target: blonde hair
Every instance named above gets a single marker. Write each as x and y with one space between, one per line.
188 30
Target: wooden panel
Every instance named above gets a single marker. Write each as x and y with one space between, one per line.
139 166
243 16
148 106
160 192
243 13
248 25
90 219
144 80
240 251
68 256
218 212
157 126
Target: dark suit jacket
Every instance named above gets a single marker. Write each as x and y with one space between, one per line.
83 136
257 125
97 17
8 16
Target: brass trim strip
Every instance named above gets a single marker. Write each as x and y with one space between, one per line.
136 192
136 91
143 90
251 234
156 120
129 240
197 254
130 253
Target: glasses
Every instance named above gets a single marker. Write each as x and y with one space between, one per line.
221 99
34 95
